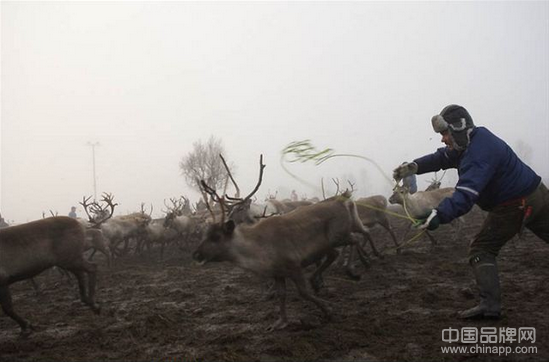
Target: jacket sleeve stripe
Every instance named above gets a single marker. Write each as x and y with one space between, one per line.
468 190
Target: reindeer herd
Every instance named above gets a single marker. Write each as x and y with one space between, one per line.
276 240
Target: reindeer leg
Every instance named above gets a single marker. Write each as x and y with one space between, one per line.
350 267
137 243
268 289
282 322
63 273
299 281
126 246
393 236
114 248
86 296
432 238
7 307
387 227
91 270
81 284
316 279
406 232
371 241
362 255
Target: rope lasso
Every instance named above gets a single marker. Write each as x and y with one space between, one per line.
304 151
408 217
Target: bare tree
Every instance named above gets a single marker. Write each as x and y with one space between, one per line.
204 163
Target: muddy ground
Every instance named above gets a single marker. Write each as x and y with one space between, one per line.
175 310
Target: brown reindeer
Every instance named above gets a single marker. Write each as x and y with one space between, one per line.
55 241
239 210
279 247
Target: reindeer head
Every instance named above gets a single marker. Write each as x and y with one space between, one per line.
217 241
398 195
216 244
177 208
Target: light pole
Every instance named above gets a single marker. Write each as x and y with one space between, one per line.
93 144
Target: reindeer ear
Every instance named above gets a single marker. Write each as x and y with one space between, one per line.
228 227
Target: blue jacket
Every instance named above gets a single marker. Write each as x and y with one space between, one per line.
490 173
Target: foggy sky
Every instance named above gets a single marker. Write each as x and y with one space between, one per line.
147 79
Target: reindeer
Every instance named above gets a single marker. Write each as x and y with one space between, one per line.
54 241
421 203
371 211
242 211
279 247
157 233
96 240
286 206
179 220
122 228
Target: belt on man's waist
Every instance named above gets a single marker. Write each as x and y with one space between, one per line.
519 200
521 203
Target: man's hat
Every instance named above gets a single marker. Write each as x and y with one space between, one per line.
458 121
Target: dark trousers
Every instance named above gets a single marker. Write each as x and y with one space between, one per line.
505 221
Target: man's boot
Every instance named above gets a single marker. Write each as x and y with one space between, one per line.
486 274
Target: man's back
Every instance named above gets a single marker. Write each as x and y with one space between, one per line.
490 167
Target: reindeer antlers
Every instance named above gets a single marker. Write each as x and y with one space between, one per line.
213 194
261 168
238 201
98 210
223 200
178 205
230 176
336 182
